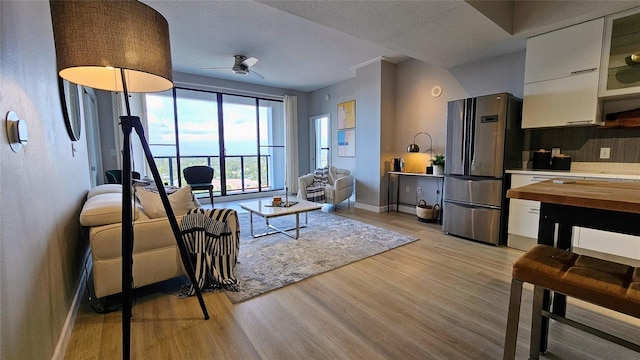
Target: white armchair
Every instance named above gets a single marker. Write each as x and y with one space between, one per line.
339 185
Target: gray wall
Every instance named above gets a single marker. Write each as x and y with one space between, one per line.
414 110
41 190
318 105
368 126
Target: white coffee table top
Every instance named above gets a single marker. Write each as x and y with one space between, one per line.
263 208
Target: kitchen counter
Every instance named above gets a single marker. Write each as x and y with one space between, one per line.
618 197
524 214
622 171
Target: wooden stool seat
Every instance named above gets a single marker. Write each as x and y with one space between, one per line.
605 283
608 284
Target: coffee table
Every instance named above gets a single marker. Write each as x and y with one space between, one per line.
264 209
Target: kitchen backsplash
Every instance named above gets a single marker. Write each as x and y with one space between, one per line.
583 143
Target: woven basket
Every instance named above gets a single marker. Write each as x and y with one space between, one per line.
427 213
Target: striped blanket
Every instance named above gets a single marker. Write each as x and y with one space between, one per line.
212 240
315 191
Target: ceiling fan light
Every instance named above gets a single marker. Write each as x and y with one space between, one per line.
242 72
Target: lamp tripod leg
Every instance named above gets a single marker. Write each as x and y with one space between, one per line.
186 260
127 242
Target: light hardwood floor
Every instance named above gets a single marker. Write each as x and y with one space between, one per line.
440 297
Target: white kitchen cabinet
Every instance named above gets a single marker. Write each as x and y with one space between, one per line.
567 101
524 215
565 52
618 78
523 219
608 242
562 75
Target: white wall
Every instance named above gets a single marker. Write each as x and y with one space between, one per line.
41 190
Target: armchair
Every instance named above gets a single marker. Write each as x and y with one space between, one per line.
338 187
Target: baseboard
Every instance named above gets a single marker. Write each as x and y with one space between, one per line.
67 328
376 209
409 209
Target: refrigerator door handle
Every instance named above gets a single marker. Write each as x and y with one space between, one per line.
464 135
472 205
472 138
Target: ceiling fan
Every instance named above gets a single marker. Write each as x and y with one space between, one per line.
241 66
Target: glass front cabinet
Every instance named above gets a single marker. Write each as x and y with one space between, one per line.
620 68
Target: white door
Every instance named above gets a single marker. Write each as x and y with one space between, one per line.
319 141
93 136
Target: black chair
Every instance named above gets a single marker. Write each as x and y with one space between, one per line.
199 177
115 176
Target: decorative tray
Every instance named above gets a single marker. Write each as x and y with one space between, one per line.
282 204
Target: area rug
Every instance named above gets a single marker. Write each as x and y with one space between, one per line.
328 242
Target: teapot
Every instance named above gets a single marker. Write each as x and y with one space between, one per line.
398 164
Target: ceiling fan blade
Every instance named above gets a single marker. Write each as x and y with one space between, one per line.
249 62
216 68
256 74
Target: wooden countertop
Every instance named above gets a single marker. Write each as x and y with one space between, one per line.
606 195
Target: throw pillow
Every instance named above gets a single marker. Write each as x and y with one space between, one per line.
181 201
321 176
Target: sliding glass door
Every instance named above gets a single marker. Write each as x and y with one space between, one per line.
241 137
198 132
161 134
240 143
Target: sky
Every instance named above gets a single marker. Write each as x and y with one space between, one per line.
198 127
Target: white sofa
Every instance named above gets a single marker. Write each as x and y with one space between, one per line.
156 256
339 186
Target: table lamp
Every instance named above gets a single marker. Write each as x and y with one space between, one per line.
414 148
120 46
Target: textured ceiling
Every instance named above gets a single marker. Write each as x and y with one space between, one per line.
306 45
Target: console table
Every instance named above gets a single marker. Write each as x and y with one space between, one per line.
399 175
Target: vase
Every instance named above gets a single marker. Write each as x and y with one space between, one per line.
438 170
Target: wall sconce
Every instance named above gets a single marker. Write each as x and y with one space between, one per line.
633 59
414 148
16 131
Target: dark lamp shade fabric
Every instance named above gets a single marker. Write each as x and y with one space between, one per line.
95 39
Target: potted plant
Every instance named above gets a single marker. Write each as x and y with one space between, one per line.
438 164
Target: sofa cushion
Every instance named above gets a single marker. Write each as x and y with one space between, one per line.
103 209
105 189
181 201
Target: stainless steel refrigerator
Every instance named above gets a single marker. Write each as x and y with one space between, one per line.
483 139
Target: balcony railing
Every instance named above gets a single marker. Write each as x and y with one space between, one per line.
241 171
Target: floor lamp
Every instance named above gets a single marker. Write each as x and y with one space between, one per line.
120 46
